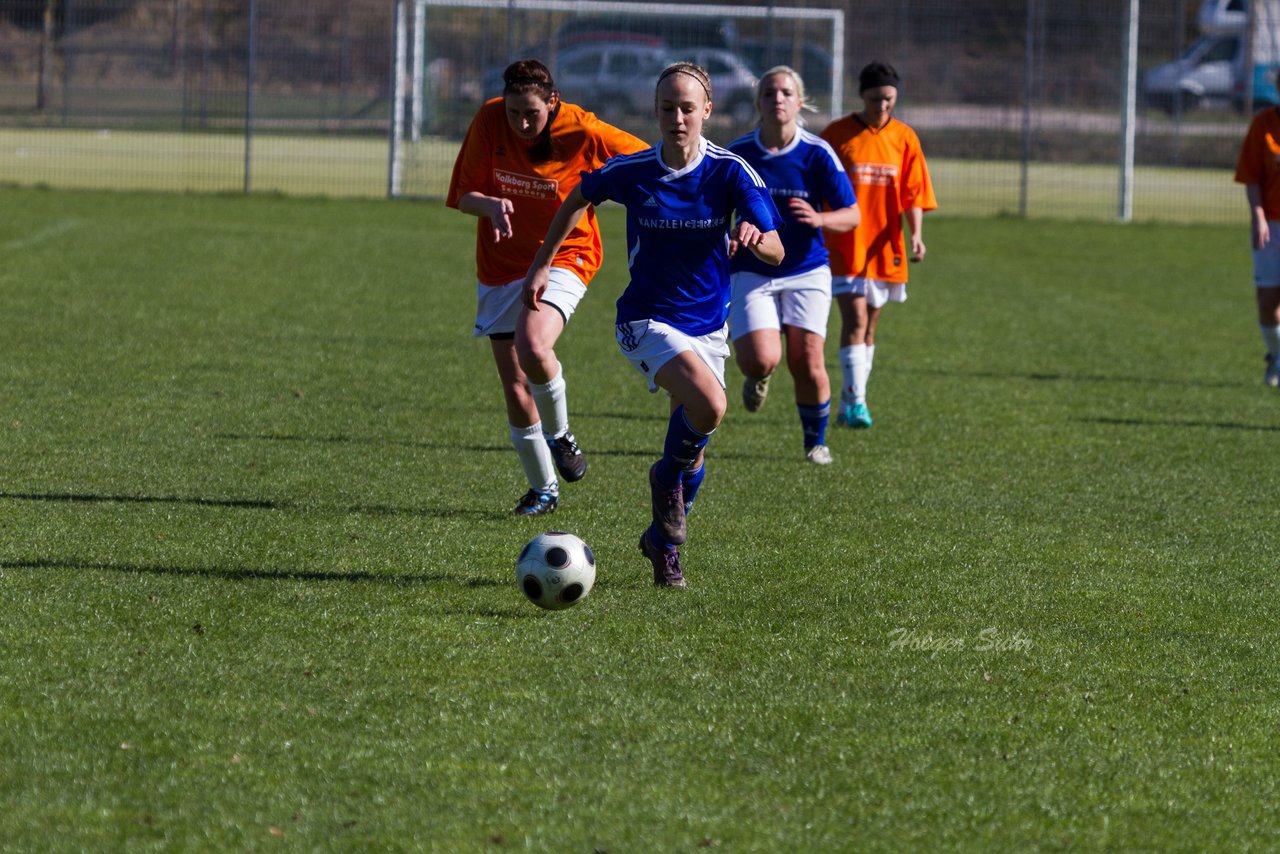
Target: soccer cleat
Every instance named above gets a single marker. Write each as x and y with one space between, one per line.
754 392
845 415
860 418
537 503
666 563
668 507
1272 374
819 454
568 457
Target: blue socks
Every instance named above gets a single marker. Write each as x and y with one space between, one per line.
813 420
681 448
691 481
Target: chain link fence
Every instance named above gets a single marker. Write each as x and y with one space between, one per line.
1019 105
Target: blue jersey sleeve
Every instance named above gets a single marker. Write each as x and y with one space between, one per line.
839 189
754 204
595 186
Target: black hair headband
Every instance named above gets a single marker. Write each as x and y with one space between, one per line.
684 69
522 81
875 78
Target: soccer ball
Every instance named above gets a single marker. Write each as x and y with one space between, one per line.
555 570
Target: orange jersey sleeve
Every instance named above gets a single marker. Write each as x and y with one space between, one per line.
889 175
496 162
1259 161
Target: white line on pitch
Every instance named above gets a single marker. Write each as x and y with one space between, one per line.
47 233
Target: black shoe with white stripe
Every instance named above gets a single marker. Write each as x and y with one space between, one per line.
537 503
568 457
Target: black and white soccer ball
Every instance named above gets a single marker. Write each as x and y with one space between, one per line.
555 570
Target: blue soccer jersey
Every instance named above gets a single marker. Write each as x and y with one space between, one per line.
678 231
808 169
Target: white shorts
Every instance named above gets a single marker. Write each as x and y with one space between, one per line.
498 306
1266 261
650 344
877 292
759 302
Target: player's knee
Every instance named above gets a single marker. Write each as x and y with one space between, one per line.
716 408
757 365
811 374
534 355
705 414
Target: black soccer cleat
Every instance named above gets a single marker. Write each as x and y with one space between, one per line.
668 508
666 564
535 503
568 457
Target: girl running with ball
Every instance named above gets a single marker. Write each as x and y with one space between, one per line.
681 196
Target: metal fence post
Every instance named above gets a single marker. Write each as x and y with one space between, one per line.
250 73
1028 91
1129 112
395 127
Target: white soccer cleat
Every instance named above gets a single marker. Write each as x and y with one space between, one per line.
754 392
1271 376
819 454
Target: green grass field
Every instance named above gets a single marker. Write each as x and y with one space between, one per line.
357 167
257 559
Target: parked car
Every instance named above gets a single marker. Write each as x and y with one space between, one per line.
603 77
1222 67
1217 70
1206 71
733 84
676 31
813 63
612 79
1215 17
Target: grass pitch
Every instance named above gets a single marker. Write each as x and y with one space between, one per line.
257 559
357 167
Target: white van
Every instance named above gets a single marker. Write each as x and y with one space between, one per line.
1205 74
1219 68
1215 17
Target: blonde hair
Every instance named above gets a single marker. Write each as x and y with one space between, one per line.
697 72
801 92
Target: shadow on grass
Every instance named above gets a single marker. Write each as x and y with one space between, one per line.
242 574
1049 376
651 454
255 504
1177 422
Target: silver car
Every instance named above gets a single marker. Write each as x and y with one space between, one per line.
733 85
612 79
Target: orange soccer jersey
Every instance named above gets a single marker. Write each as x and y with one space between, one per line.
889 175
496 162
1259 161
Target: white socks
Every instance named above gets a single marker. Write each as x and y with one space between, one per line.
855 370
553 408
1271 338
535 457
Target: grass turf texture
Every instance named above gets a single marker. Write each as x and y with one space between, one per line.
257 558
356 166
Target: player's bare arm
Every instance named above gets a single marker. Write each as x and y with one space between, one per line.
766 245
566 218
915 221
1259 228
496 209
839 221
